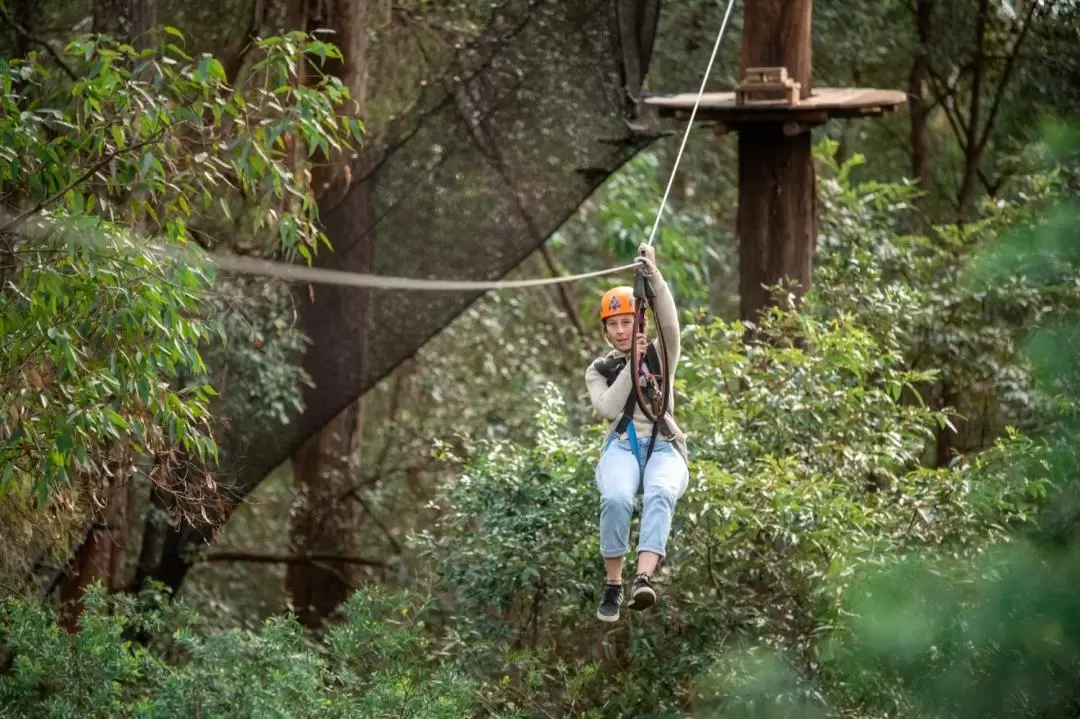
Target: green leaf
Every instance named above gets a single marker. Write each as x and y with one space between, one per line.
64 442
115 419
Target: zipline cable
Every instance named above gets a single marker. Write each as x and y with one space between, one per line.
690 125
655 408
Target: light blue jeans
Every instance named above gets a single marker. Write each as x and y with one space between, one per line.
619 479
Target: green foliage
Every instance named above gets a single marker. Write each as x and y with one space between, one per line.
257 371
922 295
620 217
372 665
808 471
92 338
101 360
156 135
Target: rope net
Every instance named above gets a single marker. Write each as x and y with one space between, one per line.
499 152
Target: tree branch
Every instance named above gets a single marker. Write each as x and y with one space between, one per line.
564 293
1006 73
236 555
942 92
18 219
355 494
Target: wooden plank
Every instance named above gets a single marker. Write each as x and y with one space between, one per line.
840 101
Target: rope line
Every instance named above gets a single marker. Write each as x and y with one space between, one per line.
690 125
303 273
290 272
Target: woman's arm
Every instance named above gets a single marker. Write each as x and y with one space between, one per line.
667 315
609 401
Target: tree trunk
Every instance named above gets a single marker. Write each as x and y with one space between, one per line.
143 19
778 32
777 221
777 216
101 558
965 196
110 17
920 69
321 521
25 14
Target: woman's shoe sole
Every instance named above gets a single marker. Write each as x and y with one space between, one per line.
605 618
642 599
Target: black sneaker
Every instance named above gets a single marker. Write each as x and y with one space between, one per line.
642 596
609 605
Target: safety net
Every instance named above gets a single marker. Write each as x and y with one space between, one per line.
504 145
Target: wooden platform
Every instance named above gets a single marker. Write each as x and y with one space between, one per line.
823 104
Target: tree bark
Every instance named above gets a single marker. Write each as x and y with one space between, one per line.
101 558
24 13
777 216
778 32
965 196
320 523
920 69
110 17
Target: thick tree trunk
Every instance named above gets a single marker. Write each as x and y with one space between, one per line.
143 16
322 522
101 558
777 217
778 32
110 17
777 221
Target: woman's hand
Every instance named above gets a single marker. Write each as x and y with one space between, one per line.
647 253
642 345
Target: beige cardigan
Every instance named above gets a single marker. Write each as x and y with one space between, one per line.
610 401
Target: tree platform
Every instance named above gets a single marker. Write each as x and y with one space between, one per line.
823 104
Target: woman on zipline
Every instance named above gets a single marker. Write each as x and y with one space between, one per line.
638 457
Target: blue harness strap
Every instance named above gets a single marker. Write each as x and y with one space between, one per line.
635 446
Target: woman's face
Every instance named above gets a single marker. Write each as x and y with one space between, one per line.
619 331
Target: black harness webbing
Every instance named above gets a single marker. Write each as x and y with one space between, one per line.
610 370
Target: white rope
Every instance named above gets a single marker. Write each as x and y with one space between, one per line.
303 273
690 125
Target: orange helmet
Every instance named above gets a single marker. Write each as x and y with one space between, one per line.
617 301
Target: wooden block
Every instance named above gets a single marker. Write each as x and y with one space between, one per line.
788 91
765 75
